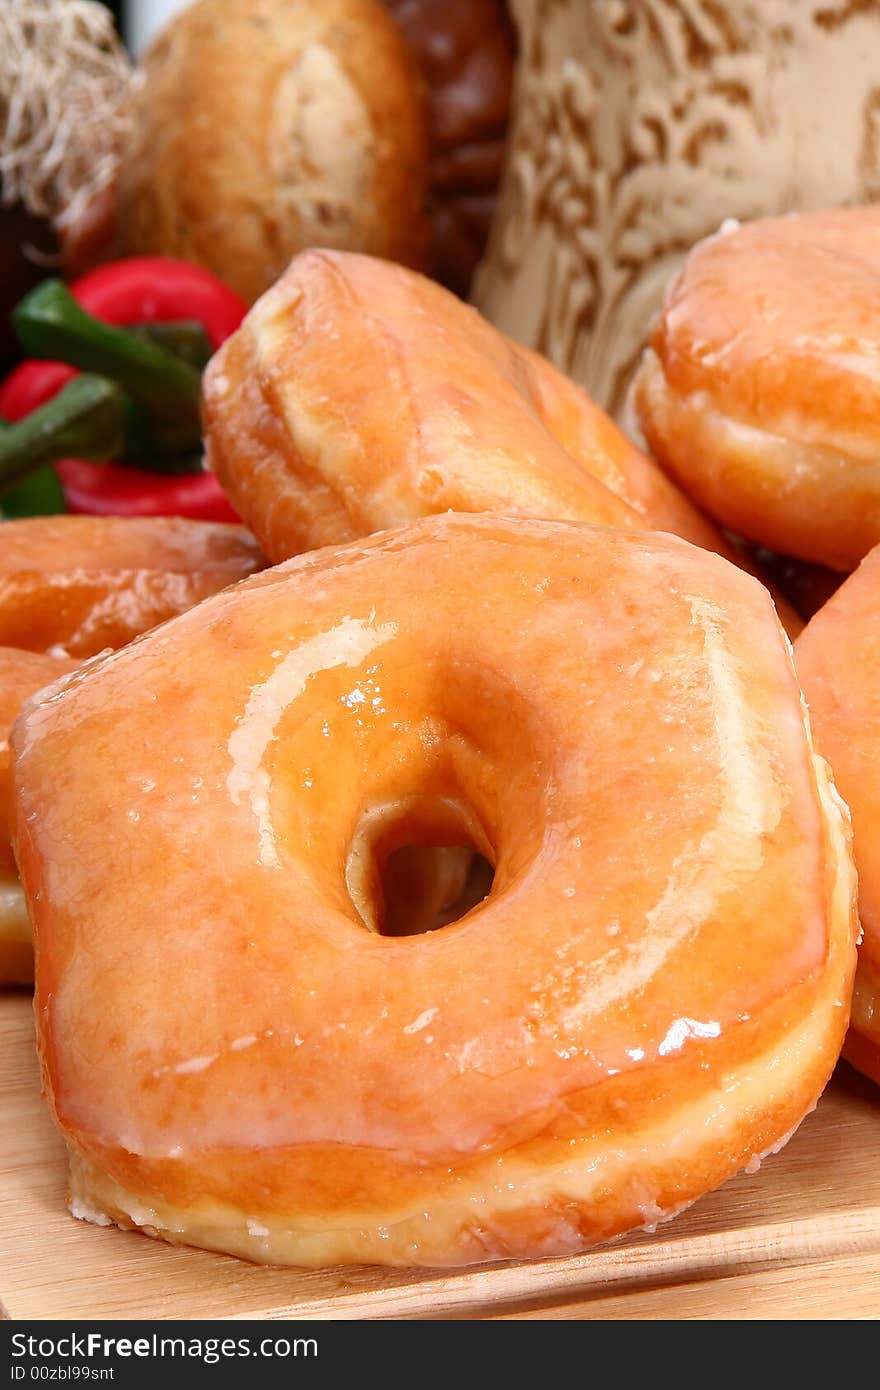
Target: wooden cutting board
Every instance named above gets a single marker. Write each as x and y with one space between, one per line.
800 1239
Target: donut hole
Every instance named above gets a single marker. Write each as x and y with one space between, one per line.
418 865
424 887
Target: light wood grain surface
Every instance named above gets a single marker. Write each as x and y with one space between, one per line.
800 1239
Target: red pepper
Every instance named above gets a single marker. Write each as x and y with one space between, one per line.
153 289
108 489
144 289
30 385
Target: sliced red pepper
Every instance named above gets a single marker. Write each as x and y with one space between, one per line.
31 385
109 489
154 289
145 289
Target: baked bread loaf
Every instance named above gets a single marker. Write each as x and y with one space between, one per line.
466 51
262 127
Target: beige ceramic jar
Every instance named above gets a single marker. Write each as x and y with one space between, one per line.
639 126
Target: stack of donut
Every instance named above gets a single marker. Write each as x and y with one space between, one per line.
506 665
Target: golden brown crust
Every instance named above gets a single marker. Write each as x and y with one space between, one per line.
264 126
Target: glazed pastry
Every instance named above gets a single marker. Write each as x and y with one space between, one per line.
650 998
358 395
264 126
838 661
80 584
760 393
21 674
72 586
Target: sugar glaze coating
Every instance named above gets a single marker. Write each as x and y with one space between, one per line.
653 994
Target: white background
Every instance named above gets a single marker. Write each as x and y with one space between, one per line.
143 17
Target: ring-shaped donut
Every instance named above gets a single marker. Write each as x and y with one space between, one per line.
652 995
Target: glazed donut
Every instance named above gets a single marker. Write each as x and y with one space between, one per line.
21 675
82 583
652 995
760 393
838 661
358 395
71 586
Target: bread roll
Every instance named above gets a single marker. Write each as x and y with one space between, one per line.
265 126
466 51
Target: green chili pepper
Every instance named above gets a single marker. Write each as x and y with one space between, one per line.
50 323
185 338
85 420
40 494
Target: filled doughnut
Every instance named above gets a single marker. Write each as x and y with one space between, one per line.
838 661
358 395
760 393
652 995
71 586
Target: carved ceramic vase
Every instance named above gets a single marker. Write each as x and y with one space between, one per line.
639 126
